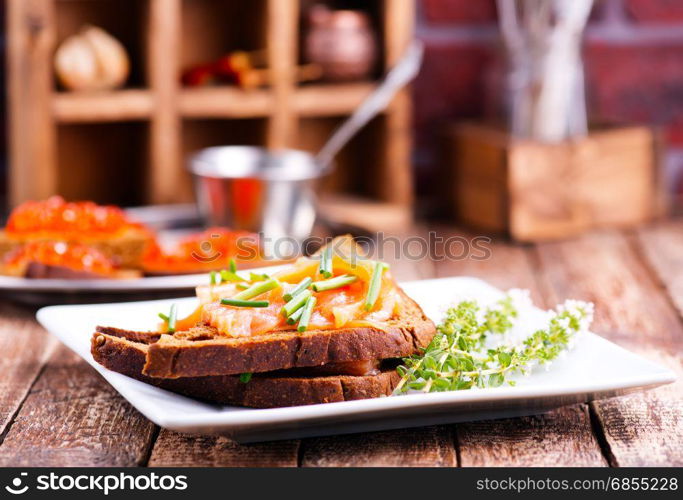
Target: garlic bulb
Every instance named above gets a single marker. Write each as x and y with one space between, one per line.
91 60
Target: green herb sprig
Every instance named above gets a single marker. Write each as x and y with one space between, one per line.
457 357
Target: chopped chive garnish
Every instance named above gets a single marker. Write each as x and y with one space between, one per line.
307 310
296 315
325 267
295 303
375 285
331 284
303 285
257 289
163 317
230 276
245 303
258 277
245 377
242 286
212 277
172 314
232 266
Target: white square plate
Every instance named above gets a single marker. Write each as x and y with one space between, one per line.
594 369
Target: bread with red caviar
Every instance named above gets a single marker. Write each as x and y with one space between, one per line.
107 230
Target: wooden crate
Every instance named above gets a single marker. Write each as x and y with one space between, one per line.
128 146
534 191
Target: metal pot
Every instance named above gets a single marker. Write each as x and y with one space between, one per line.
257 190
272 192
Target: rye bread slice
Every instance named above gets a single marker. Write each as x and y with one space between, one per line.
200 352
119 354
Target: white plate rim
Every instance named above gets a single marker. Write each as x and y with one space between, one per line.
147 283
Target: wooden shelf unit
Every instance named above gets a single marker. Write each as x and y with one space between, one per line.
165 120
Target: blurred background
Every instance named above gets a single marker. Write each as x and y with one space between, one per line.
186 74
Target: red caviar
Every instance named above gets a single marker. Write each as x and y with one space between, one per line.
67 220
210 249
74 256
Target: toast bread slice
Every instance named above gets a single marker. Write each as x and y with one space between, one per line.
117 353
201 351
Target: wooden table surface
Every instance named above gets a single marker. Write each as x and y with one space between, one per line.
57 411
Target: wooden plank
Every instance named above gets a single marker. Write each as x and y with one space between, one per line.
395 168
631 310
560 438
564 434
30 43
396 184
662 246
73 417
181 450
282 30
399 25
25 348
330 99
120 105
167 181
225 102
406 253
423 447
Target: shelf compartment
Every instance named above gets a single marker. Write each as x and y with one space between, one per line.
357 165
104 162
213 28
224 102
125 20
204 133
118 105
332 99
376 11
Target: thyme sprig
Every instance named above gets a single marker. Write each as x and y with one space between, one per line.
459 356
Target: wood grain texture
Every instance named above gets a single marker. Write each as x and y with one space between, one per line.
330 99
282 22
167 181
662 247
464 253
560 438
73 417
25 348
224 102
644 428
30 43
536 191
423 447
525 441
395 177
173 449
120 105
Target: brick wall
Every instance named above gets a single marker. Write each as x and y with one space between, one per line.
634 70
